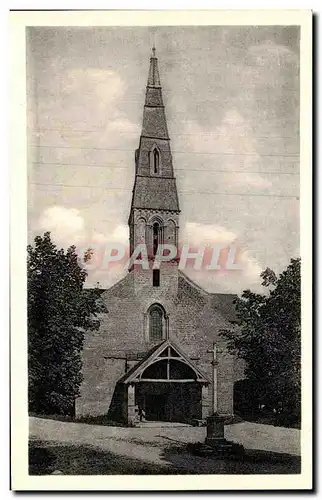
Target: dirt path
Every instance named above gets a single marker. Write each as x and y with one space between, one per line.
76 448
139 440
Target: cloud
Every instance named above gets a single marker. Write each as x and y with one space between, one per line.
100 86
81 108
65 224
271 54
197 234
234 147
235 95
223 280
123 125
251 268
67 227
118 235
266 65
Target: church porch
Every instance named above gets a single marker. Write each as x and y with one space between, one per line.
165 387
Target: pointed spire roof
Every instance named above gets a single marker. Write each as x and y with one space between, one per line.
154 77
154 120
154 189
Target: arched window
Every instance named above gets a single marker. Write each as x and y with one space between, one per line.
156 161
156 320
156 237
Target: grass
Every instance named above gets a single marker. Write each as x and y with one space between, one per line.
46 458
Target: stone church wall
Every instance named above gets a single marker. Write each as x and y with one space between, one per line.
193 325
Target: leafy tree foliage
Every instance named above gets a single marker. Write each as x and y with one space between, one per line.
60 310
268 338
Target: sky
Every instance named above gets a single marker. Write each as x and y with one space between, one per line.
232 105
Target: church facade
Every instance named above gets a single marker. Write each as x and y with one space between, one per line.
154 349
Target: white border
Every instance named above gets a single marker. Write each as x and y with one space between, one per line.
17 160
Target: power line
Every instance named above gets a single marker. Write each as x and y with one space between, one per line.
168 95
181 192
254 87
196 134
175 170
214 153
80 186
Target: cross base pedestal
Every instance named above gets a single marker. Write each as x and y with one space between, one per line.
215 442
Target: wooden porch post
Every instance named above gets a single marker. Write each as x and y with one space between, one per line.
131 404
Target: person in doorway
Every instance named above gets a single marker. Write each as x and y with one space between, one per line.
141 414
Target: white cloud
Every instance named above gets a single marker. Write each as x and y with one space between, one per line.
235 147
65 224
67 227
197 234
271 53
85 112
251 268
119 235
122 124
264 65
224 280
101 86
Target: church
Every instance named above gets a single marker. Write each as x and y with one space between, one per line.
154 351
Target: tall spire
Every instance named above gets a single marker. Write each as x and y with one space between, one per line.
155 185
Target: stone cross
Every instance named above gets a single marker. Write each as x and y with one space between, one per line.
214 351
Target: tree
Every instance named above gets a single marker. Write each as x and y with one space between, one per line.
60 310
268 338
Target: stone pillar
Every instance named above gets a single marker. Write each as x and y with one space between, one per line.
226 385
215 430
131 416
204 401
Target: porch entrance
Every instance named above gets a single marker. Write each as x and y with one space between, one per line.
169 402
155 407
167 386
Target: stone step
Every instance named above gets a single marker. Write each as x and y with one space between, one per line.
150 423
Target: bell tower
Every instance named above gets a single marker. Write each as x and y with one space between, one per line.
154 215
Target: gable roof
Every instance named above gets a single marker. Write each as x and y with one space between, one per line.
224 303
154 355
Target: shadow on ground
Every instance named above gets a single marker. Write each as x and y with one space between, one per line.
250 462
45 458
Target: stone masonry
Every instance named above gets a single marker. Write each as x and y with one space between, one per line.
191 317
